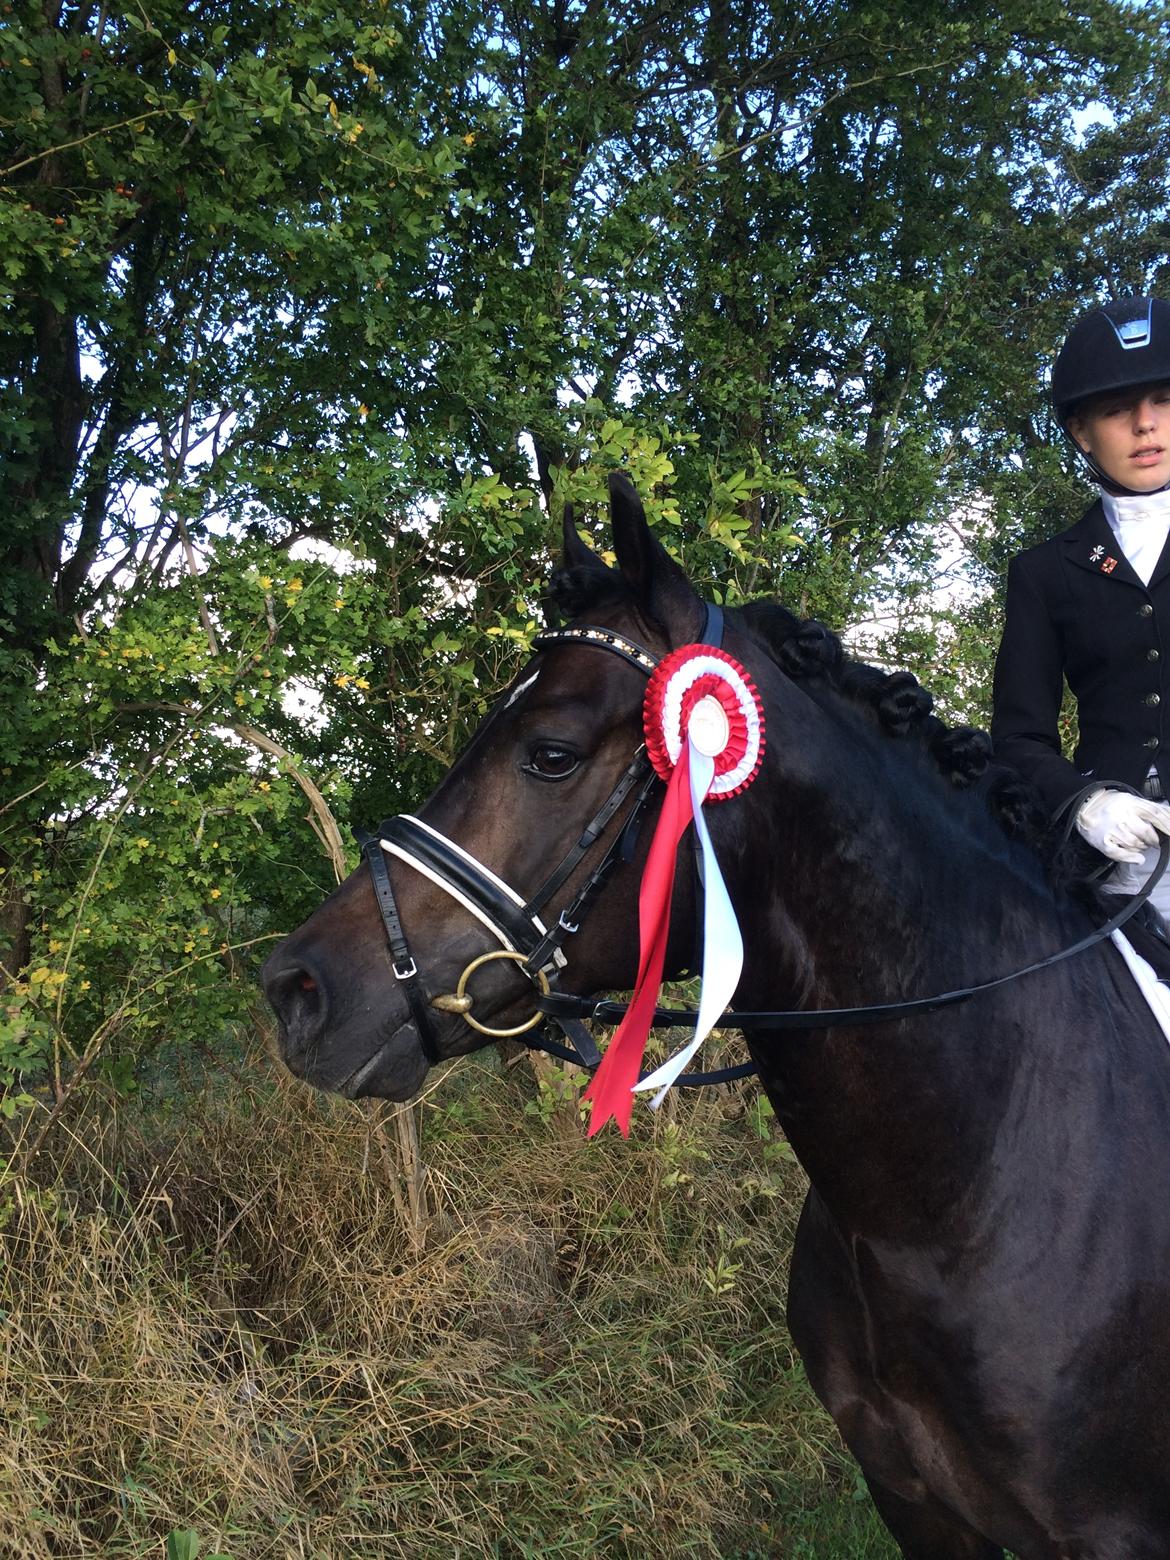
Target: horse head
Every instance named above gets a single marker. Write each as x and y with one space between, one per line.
544 763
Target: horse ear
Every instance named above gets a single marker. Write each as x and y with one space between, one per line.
578 554
660 586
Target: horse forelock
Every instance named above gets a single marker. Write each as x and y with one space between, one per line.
584 587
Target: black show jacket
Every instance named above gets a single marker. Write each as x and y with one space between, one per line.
1077 611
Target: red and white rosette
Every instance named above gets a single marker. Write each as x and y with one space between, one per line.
704 726
702 693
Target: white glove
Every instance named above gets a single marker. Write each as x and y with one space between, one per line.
1122 826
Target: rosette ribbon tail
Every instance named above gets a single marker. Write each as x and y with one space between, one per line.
722 940
611 1091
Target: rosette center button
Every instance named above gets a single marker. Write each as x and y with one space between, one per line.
708 727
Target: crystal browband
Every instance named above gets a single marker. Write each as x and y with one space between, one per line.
605 637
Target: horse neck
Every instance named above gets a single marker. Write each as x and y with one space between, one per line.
881 886
877 864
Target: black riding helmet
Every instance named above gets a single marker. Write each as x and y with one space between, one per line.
1120 346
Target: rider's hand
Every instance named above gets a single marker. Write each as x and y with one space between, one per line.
1122 826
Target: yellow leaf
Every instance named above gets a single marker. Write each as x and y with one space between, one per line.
172 57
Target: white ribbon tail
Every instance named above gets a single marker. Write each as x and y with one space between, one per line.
722 943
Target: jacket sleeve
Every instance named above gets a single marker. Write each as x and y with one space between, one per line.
1028 689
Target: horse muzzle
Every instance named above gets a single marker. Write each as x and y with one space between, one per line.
345 1043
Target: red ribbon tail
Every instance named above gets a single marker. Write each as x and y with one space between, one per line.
611 1091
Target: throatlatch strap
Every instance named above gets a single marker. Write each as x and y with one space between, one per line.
536 1041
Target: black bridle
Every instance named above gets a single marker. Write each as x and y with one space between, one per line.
516 922
537 949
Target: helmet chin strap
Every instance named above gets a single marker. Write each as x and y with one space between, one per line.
1117 491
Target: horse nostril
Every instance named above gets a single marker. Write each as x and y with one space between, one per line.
299 1002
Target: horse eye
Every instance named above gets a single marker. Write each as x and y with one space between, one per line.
548 761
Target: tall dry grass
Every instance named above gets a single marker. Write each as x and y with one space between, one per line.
214 1318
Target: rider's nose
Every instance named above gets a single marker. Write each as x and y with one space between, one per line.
1145 416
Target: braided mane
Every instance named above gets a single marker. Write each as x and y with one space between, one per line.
900 706
805 650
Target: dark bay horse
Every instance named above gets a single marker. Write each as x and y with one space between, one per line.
980 1285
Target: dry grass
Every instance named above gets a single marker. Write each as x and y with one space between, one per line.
215 1320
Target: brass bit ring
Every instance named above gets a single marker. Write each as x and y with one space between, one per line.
461 998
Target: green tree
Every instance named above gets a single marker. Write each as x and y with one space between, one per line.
311 315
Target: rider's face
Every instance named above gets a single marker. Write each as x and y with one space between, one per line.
1128 434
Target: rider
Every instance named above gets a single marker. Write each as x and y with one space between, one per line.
1092 605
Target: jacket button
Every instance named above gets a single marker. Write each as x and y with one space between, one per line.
1150 742
1146 609
1153 699
1153 655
